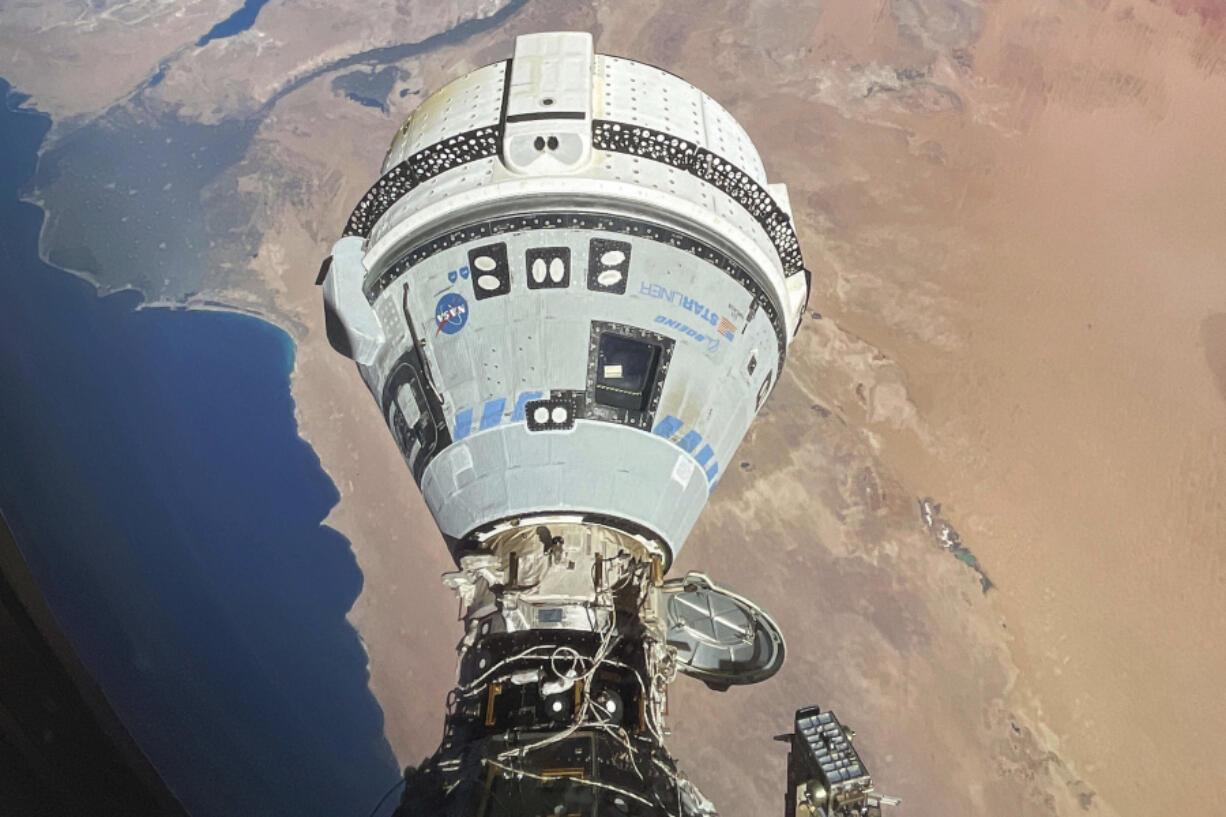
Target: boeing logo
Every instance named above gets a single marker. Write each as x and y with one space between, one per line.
723 326
711 342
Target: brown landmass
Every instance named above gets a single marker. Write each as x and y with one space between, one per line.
1013 213
77 58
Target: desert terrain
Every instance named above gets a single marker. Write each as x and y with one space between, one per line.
1013 216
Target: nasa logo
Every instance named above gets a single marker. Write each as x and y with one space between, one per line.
451 313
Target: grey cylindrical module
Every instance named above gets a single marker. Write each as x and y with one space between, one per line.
570 292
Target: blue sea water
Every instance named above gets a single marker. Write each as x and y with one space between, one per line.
239 21
151 471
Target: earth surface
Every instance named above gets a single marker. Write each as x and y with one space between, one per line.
1013 212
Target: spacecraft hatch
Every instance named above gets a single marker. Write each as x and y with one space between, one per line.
721 638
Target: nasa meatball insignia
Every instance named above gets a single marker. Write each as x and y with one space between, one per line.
451 313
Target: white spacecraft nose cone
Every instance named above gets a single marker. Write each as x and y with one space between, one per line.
609 277
613 258
556 270
538 270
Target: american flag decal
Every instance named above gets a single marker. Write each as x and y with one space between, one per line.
725 327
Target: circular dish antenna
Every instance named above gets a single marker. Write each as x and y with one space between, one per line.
721 638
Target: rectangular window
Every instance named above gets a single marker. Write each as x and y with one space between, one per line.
626 371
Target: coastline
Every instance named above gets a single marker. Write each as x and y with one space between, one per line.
410 735
125 448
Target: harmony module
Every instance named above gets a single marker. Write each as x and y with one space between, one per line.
570 292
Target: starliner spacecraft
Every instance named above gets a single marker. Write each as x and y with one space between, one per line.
570 292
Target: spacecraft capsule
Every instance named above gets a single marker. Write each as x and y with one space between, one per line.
570 292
